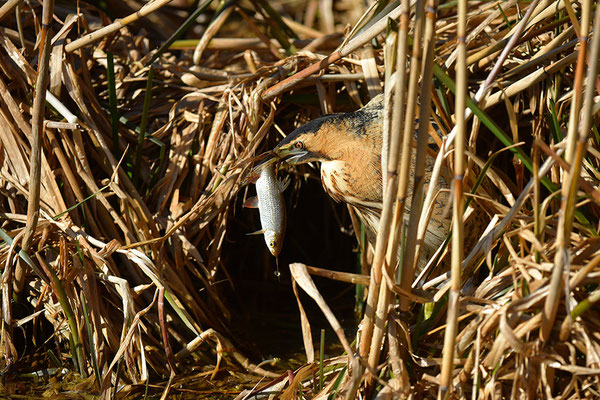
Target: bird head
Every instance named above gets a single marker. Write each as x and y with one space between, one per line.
328 137
308 142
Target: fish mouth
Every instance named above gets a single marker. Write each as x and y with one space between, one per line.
291 155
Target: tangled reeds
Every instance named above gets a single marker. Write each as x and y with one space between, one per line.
124 157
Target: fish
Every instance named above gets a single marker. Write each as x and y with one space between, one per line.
271 206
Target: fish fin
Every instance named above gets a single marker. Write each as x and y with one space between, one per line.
260 232
284 183
251 202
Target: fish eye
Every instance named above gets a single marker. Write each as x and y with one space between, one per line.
299 145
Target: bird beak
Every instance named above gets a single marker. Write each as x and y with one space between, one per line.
290 154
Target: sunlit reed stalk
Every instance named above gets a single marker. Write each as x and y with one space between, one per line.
367 322
37 124
355 43
579 127
8 7
380 292
472 107
37 128
407 137
580 69
222 15
458 209
398 126
410 255
391 177
147 9
396 351
389 54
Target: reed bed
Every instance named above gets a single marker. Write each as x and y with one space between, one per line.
126 146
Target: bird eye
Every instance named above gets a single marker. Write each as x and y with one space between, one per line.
299 145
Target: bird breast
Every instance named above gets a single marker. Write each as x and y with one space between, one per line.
356 184
333 178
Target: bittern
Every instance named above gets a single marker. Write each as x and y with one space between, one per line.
348 146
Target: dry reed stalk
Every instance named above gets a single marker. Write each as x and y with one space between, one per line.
147 9
529 80
458 206
211 31
550 49
363 37
411 255
397 127
573 154
389 156
8 7
539 12
37 127
473 33
368 319
326 14
481 93
301 276
233 44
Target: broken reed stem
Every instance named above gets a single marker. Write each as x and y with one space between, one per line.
410 253
148 8
458 209
576 143
37 125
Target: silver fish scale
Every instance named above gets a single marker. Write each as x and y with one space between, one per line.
271 205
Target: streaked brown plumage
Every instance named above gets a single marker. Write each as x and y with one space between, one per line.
348 146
